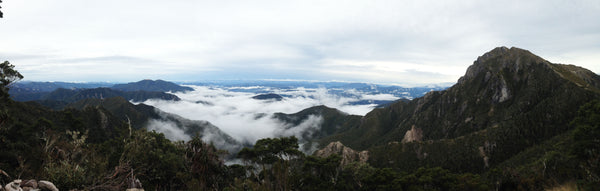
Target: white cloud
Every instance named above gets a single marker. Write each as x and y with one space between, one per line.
388 97
170 129
310 125
247 119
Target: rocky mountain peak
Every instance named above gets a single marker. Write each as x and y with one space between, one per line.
513 53
502 69
503 59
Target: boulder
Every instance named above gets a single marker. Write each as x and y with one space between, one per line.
46 185
13 186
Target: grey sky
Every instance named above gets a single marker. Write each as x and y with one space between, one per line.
403 42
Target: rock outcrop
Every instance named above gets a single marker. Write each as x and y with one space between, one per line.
414 134
348 155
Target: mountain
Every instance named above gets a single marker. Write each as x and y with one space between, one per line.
270 96
60 97
28 91
508 100
331 121
152 85
141 116
137 91
98 121
32 87
138 115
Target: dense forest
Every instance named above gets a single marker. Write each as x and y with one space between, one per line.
507 125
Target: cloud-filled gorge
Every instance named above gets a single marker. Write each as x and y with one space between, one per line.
238 114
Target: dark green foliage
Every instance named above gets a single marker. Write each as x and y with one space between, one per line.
271 150
8 75
319 173
314 173
155 160
137 115
586 148
206 166
555 161
274 158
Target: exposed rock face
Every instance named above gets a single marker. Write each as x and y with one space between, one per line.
414 134
484 152
348 155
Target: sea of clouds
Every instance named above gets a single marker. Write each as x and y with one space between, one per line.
234 111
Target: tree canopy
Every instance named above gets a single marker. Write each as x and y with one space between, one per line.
8 75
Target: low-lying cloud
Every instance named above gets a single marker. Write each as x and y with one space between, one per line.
168 128
247 119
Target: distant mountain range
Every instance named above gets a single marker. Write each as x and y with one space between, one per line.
152 85
337 88
71 92
143 85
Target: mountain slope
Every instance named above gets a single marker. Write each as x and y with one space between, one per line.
330 121
334 121
138 115
152 85
145 116
508 100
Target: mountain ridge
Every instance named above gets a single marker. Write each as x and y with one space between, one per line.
152 85
504 92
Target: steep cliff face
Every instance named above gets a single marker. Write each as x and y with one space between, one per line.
509 97
414 134
348 155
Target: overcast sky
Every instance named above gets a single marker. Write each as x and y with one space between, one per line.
402 42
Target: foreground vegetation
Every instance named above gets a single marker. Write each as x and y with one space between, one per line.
74 157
